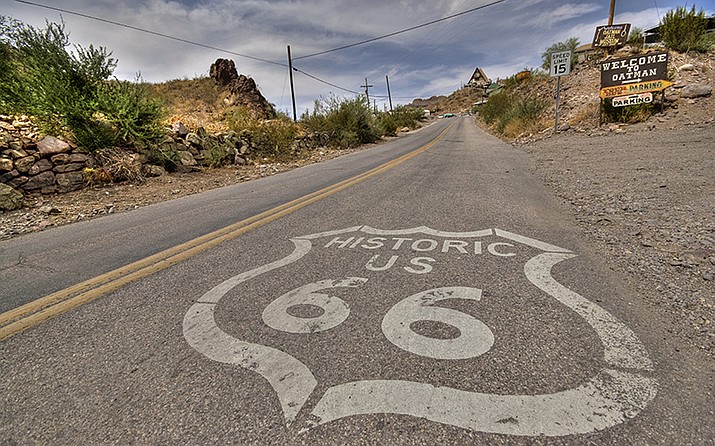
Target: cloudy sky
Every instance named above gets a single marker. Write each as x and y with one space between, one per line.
502 38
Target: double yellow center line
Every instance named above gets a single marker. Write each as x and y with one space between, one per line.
40 310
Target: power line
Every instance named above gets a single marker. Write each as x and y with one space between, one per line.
166 36
179 39
412 28
324 81
223 50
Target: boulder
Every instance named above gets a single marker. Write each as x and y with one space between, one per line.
696 91
186 158
15 154
10 199
223 72
7 176
70 181
6 164
23 165
52 146
40 166
60 158
72 167
17 182
180 129
42 180
152 170
193 139
78 158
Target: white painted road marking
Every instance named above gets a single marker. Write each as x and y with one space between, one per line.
335 310
474 339
609 398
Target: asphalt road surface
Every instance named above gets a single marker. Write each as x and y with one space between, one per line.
426 291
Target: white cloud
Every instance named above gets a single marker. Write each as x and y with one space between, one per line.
502 39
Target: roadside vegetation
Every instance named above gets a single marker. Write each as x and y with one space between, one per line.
684 30
69 91
523 103
516 109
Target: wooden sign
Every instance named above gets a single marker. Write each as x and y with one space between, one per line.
609 36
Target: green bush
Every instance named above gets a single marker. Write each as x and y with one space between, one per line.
346 122
567 45
68 92
511 107
268 138
683 29
636 38
627 115
401 117
165 155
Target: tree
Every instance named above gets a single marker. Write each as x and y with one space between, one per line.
636 38
682 30
69 92
568 45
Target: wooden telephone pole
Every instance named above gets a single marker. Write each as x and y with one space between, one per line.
292 88
367 92
610 14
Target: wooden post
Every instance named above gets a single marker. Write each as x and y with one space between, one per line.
292 89
558 95
611 12
389 95
367 93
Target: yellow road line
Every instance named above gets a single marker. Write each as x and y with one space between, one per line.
37 311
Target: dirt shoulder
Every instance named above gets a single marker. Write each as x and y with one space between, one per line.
40 212
645 197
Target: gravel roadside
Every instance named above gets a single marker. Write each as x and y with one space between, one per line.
646 198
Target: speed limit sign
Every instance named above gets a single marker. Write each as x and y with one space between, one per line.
560 63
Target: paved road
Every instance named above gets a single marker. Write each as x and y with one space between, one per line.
446 300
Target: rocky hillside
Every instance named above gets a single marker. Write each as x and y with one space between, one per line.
32 164
688 102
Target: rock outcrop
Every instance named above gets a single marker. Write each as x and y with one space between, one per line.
240 89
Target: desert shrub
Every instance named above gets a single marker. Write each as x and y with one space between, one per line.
636 38
567 45
218 154
683 29
132 112
390 122
267 138
513 109
117 165
707 42
346 122
165 155
628 115
68 92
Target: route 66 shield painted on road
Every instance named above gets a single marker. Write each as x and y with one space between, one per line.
323 300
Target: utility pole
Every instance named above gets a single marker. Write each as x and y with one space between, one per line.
389 95
367 92
610 14
292 89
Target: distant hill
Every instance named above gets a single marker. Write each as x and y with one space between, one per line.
461 101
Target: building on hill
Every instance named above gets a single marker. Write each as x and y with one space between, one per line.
479 79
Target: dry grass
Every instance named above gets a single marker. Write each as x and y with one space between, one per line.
195 102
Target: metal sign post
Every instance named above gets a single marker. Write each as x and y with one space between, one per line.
560 66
